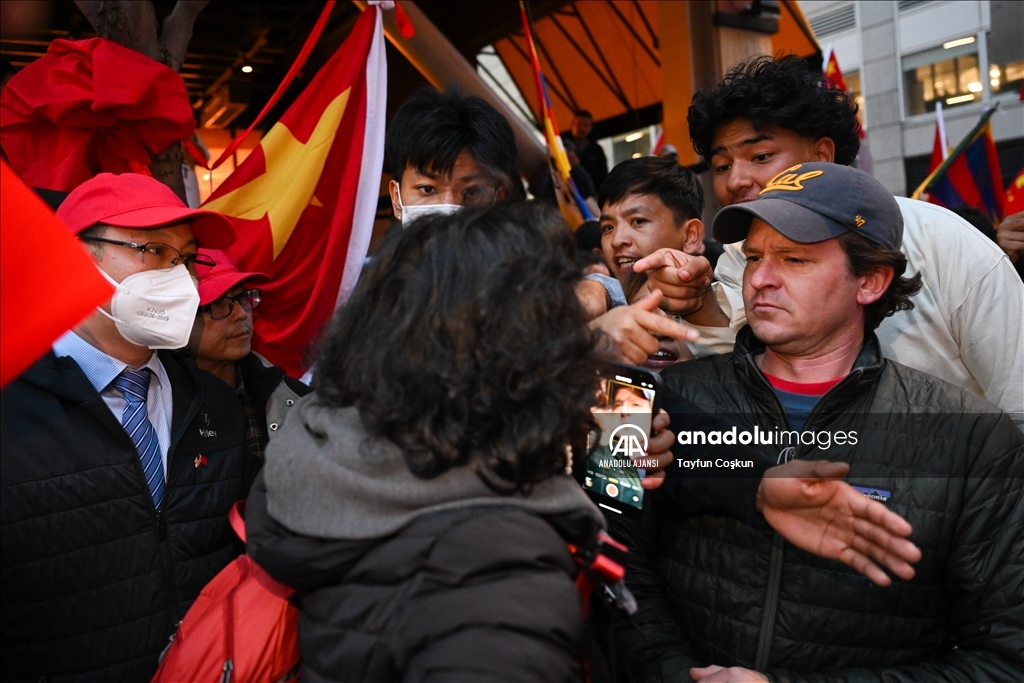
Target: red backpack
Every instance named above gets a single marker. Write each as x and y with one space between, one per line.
242 627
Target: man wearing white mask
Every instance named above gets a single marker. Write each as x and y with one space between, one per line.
120 461
447 151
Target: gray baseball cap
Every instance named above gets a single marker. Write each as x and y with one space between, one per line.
818 201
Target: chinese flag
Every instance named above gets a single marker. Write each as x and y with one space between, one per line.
1015 195
833 74
48 281
303 202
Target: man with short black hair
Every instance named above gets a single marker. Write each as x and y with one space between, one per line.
120 462
650 215
448 151
725 601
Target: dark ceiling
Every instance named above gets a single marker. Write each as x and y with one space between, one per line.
268 35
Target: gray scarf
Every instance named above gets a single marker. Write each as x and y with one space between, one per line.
328 478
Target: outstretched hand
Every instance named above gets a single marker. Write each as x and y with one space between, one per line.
632 331
684 279
811 508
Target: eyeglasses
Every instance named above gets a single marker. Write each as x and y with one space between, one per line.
222 307
157 256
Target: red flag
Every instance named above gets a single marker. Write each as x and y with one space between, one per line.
1015 195
88 106
834 78
304 201
833 74
940 147
48 281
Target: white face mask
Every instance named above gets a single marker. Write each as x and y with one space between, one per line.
155 308
411 213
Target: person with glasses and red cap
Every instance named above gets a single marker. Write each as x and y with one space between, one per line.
120 461
222 345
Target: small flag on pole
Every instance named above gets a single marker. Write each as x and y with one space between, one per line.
970 176
940 147
570 201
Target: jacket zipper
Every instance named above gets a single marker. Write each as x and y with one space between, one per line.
771 602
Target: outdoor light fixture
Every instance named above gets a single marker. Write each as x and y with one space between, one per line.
637 155
959 99
634 136
248 69
958 42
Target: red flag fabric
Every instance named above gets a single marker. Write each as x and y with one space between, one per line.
303 202
48 281
833 74
1015 195
940 145
89 106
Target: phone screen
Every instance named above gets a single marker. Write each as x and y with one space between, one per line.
623 413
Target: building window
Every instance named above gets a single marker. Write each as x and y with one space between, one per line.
1006 78
950 74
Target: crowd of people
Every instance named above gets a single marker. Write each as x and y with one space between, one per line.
422 495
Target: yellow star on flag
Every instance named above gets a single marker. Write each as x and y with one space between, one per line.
292 172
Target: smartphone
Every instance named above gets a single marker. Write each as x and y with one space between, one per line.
627 400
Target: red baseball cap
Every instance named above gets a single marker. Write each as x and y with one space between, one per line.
217 281
139 202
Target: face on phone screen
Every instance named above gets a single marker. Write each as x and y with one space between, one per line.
623 413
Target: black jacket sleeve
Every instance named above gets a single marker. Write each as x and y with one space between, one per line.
983 578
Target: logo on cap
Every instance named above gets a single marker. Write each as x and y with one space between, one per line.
859 220
790 182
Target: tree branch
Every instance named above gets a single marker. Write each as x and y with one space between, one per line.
132 24
177 31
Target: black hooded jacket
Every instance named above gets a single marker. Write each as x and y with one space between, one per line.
407 579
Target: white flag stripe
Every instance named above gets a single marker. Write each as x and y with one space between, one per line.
373 160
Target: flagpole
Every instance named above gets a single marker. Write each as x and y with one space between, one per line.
968 139
941 121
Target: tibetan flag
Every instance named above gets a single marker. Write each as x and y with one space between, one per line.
48 281
1015 195
303 202
570 201
940 147
970 177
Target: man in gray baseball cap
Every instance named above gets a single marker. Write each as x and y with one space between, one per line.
818 201
720 600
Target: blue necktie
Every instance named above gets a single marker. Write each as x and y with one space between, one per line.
134 384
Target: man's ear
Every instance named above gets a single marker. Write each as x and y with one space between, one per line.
825 150
693 235
873 285
396 200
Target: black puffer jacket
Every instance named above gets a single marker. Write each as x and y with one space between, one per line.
408 579
713 590
465 595
93 578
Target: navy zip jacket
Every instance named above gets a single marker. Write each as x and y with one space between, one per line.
94 578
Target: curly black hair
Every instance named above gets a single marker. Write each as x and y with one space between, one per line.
676 186
464 343
781 92
864 256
